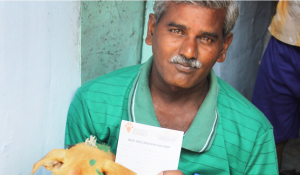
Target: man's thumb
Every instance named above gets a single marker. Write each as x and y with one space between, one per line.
171 172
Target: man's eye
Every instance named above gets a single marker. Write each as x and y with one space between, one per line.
177 31
206 39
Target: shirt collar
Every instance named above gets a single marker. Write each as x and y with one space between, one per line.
201 133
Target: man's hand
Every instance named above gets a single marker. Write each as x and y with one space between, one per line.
171 172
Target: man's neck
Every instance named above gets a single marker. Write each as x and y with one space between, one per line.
175 107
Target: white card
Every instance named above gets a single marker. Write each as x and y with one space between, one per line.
148 150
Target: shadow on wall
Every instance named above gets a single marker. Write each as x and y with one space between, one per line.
241 65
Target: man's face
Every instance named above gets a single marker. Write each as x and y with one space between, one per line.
191 31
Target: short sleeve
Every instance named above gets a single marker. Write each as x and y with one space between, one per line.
263 158
79 125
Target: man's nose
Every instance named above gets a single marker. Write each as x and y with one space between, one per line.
189 48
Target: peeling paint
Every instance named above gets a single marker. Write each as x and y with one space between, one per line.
111 36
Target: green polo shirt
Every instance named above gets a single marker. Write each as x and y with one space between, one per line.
228 135
142 111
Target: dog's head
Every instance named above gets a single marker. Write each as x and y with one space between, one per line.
81 159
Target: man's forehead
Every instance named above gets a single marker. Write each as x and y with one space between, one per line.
191 16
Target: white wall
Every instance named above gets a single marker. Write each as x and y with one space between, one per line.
39 74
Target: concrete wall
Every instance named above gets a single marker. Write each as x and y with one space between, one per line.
111 36
39 74
147 50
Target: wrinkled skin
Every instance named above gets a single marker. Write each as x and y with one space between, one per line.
192 31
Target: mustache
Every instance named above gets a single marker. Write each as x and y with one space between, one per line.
180 59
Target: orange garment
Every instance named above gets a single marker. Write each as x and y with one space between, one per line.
285 25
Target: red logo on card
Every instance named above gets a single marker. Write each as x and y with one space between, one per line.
128 126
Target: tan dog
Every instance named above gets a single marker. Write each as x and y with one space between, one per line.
82 159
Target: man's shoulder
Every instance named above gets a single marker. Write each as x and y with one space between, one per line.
118 79
240 110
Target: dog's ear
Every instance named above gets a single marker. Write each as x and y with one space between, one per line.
112 168
52 161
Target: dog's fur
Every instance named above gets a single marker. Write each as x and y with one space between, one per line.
81 159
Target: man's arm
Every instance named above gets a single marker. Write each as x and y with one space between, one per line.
79 124
263 159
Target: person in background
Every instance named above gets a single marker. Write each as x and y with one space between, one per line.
277 88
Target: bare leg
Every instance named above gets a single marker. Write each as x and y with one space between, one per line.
279 150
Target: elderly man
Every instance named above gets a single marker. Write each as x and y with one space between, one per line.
177 89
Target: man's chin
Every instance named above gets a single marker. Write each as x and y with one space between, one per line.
179 85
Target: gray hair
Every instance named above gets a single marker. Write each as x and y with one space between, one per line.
181 59
232 10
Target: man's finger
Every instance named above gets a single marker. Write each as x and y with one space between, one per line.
171 172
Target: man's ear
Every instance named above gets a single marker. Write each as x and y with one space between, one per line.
52 161
150 29
112 168
226 44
